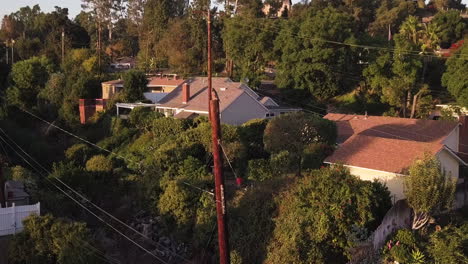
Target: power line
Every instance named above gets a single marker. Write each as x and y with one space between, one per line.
228 160
89 201
101 148
408 52
81 205
35 169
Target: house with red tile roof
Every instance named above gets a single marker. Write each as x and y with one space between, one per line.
238 103
383 148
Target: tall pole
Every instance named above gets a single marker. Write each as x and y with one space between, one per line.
99 47
210 88
63 46
221 211
6 53
12 51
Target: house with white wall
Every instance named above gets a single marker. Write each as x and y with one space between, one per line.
157 87
238 103
383 148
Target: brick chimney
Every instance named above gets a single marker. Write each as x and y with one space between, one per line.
463 135
185 93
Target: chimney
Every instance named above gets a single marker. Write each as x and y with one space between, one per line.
185 93
463 134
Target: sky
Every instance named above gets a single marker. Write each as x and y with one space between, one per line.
74 6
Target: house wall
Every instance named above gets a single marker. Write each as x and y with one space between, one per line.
449 163
243 109
109 90
393 181
452 140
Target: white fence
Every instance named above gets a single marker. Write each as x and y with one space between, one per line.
11 218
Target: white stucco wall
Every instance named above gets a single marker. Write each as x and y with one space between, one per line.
243 109
449 163
452 140
393 181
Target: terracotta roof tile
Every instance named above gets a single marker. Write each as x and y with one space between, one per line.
386 143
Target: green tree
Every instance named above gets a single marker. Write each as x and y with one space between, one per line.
316 216
452 27
46 239
397 79
307 62
28 79
455 77
53 91
134 85
249 42
428 190
391 13
294 132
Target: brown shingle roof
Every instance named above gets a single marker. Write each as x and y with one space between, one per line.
228 91
386 143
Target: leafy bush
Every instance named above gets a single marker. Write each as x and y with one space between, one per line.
282 162
46 239
450 245
259 170
99 163
142 117
316 216
78 153
400 247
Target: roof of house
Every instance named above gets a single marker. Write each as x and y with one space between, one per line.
386 143
114 82
153 81
162 81
227 90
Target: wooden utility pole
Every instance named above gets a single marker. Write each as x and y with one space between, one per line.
6 52
214 116
210 87
63 46
99 47
12 51
221 211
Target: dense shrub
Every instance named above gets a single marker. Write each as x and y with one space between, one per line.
316 216
79 153
450 245
99 163
259 170
400 246
46 239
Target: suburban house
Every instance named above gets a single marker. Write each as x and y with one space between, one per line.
158 87
383 148
238 103
286 5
